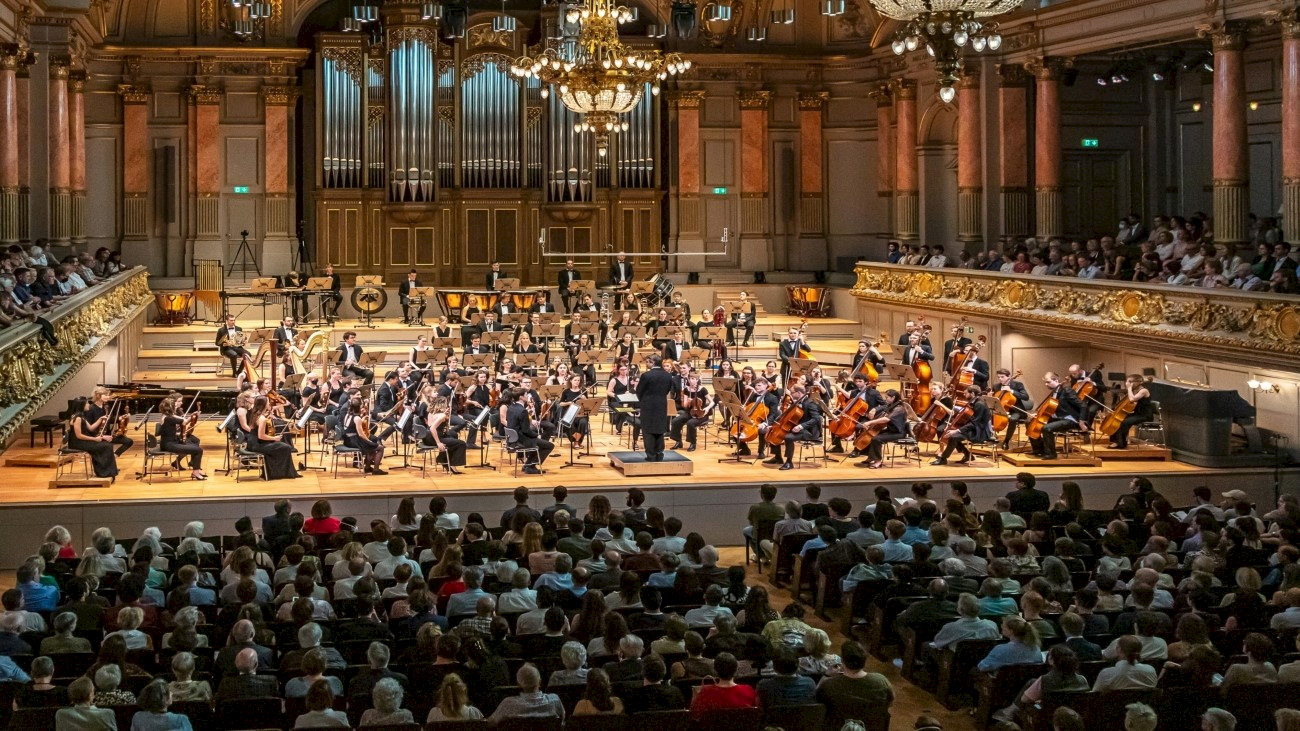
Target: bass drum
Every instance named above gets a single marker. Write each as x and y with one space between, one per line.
663 288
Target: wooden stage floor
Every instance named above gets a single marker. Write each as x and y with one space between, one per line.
26 486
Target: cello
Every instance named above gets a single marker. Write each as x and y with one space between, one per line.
789 419
846 422
1117 415
1034 427
1085 387
1007 398
927 429
756 411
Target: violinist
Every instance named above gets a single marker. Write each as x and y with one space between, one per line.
172 437
916 349
775 381
1016 414
528 395
356 433
573 390
276 453
893 417
978 428
742 319
525 425
1136 392
1093 404
97 416
387 394
408 378
693 407
957 342
626 349
619 384
745 386
1069 412
868 352
449 390
315 399
440 434
809 429
977 366
84 435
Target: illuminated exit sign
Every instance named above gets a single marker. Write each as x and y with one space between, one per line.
241 189
1091 142
719 191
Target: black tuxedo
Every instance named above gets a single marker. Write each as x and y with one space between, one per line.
232 352
490 282
365 374
810 428
284 340
922 352
620 272
404 296
950 345
787 350
546 307
517 420
567 277
980 368
1015 416
1069 412
670 350
652 392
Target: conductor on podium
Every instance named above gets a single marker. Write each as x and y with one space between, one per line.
652 392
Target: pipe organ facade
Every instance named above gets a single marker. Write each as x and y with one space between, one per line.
431 154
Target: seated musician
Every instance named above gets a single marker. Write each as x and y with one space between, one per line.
676 349
660 319
452 366
232 345
619 383
443 329
697 336
262 437
350 357
893 416
529 396
1135 390
744 319
763 392
626 348
172 437
315 399
387 394
441 435
476 347
978 429
477 398
525 426
450 390
694 405
335 296
421 352
773 376
524 344
284 336
1015 414
356 432
679 300
98 416
404 296
591 313
1067 417
86 436
1093 403
543 303
820 387
869 353
576 349
579 427
865 389
809 429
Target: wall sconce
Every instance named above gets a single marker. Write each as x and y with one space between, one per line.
1254 106
1196 106
1263 386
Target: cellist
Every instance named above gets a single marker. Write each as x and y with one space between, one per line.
868 352
978 428
1016 414
1069 412
1135 391
1090 405
809 429
893 417
763 392
865 389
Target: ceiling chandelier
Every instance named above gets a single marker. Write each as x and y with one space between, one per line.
594 74
945 27
247 16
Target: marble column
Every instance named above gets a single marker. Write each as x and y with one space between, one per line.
907 191
885 157
1013 147
1290 22
970 167
135 161
685 107
24 81
279 244
1231 160
812 252
755 199
9 62
1048 196
77 155
60 162
205 151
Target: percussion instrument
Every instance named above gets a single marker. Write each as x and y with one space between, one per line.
453 302
369 300
485 300
807 301
173 307
522 300
663 288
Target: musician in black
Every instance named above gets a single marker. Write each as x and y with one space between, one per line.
869 353
619 383
978 429
443 330
276 451
771 398
956 342
1135 390
742 319
82 437
679 300
978 367
494 275
809 429
576 349
335 296
676 349
315 398
692 399
525 427
476 347
580 426
652 391
350 357
1092 404
543 302
788 350
489 325
357 437
893 417
528 396
1016 415
386 395
230 344
172 437
591 313
404 296
626 349
568 275
620 275
441 435
477 398
284 340
865 389
912 328
97 414
916 349
1069 412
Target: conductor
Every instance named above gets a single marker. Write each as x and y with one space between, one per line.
652 392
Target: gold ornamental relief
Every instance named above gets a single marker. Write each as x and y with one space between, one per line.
1286 323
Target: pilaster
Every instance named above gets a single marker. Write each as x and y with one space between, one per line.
60 159
278 245
1048 193
9 62
907 224
813 252
886 159
204 143
135 161
1289 20
970 169
77 155
1013 147
1231 166
684 109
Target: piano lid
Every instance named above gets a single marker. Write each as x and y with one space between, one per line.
1198 400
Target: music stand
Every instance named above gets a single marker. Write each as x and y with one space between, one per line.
507 284
262 284
903 373
371 359
292 381
370 280
712 332
674 311
581 287
322 288
736 410
475 320
447 344
666 332
514 319
477 424
426 295
549 318
534 361
638 332
800 366
499 339
698 353
546 332
590 328
571 414
479 360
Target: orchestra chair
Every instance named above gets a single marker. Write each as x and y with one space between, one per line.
422 450
1075 440
911 450
813 447
517 452
1152 432
339 450
68 455
994 446
245 458
153 452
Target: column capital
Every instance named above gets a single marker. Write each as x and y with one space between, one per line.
883 95
203 94
904 89
686 99
1289 19
813 100
60 66
970 79
758 99
1047 68
1224 36
280 96
134 93
1011 75
77 82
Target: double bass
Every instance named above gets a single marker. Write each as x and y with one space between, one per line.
790 418
957 358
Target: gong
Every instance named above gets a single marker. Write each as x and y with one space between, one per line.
369 300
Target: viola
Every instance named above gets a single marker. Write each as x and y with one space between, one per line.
1034 427
790 418
846 423
756 411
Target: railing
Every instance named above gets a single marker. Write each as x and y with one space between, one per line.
1243 325
37 358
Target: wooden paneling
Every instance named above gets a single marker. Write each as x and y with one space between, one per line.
477 222
505 236
425 245
1096 188
399 246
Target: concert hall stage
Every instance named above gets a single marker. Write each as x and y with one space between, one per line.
716 496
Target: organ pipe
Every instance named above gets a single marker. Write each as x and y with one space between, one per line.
341 117
636 146
491 114
410 129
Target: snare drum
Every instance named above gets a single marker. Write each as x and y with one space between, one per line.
173 307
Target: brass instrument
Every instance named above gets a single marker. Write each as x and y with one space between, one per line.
605 316
236 340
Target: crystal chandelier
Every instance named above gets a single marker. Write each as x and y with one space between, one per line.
945 27
594 73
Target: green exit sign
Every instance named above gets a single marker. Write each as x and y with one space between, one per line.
719 191
241 189
1091 142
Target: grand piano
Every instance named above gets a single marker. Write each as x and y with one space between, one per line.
1198 422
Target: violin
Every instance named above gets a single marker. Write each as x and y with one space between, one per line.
1007 398
790 418
756 411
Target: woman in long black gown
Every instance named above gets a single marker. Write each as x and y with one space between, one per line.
98 446
576 431
372 450
438 421
171 437
278 454
618 385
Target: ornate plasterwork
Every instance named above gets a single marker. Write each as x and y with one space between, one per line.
27 361
1265 325
348 59
280 95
